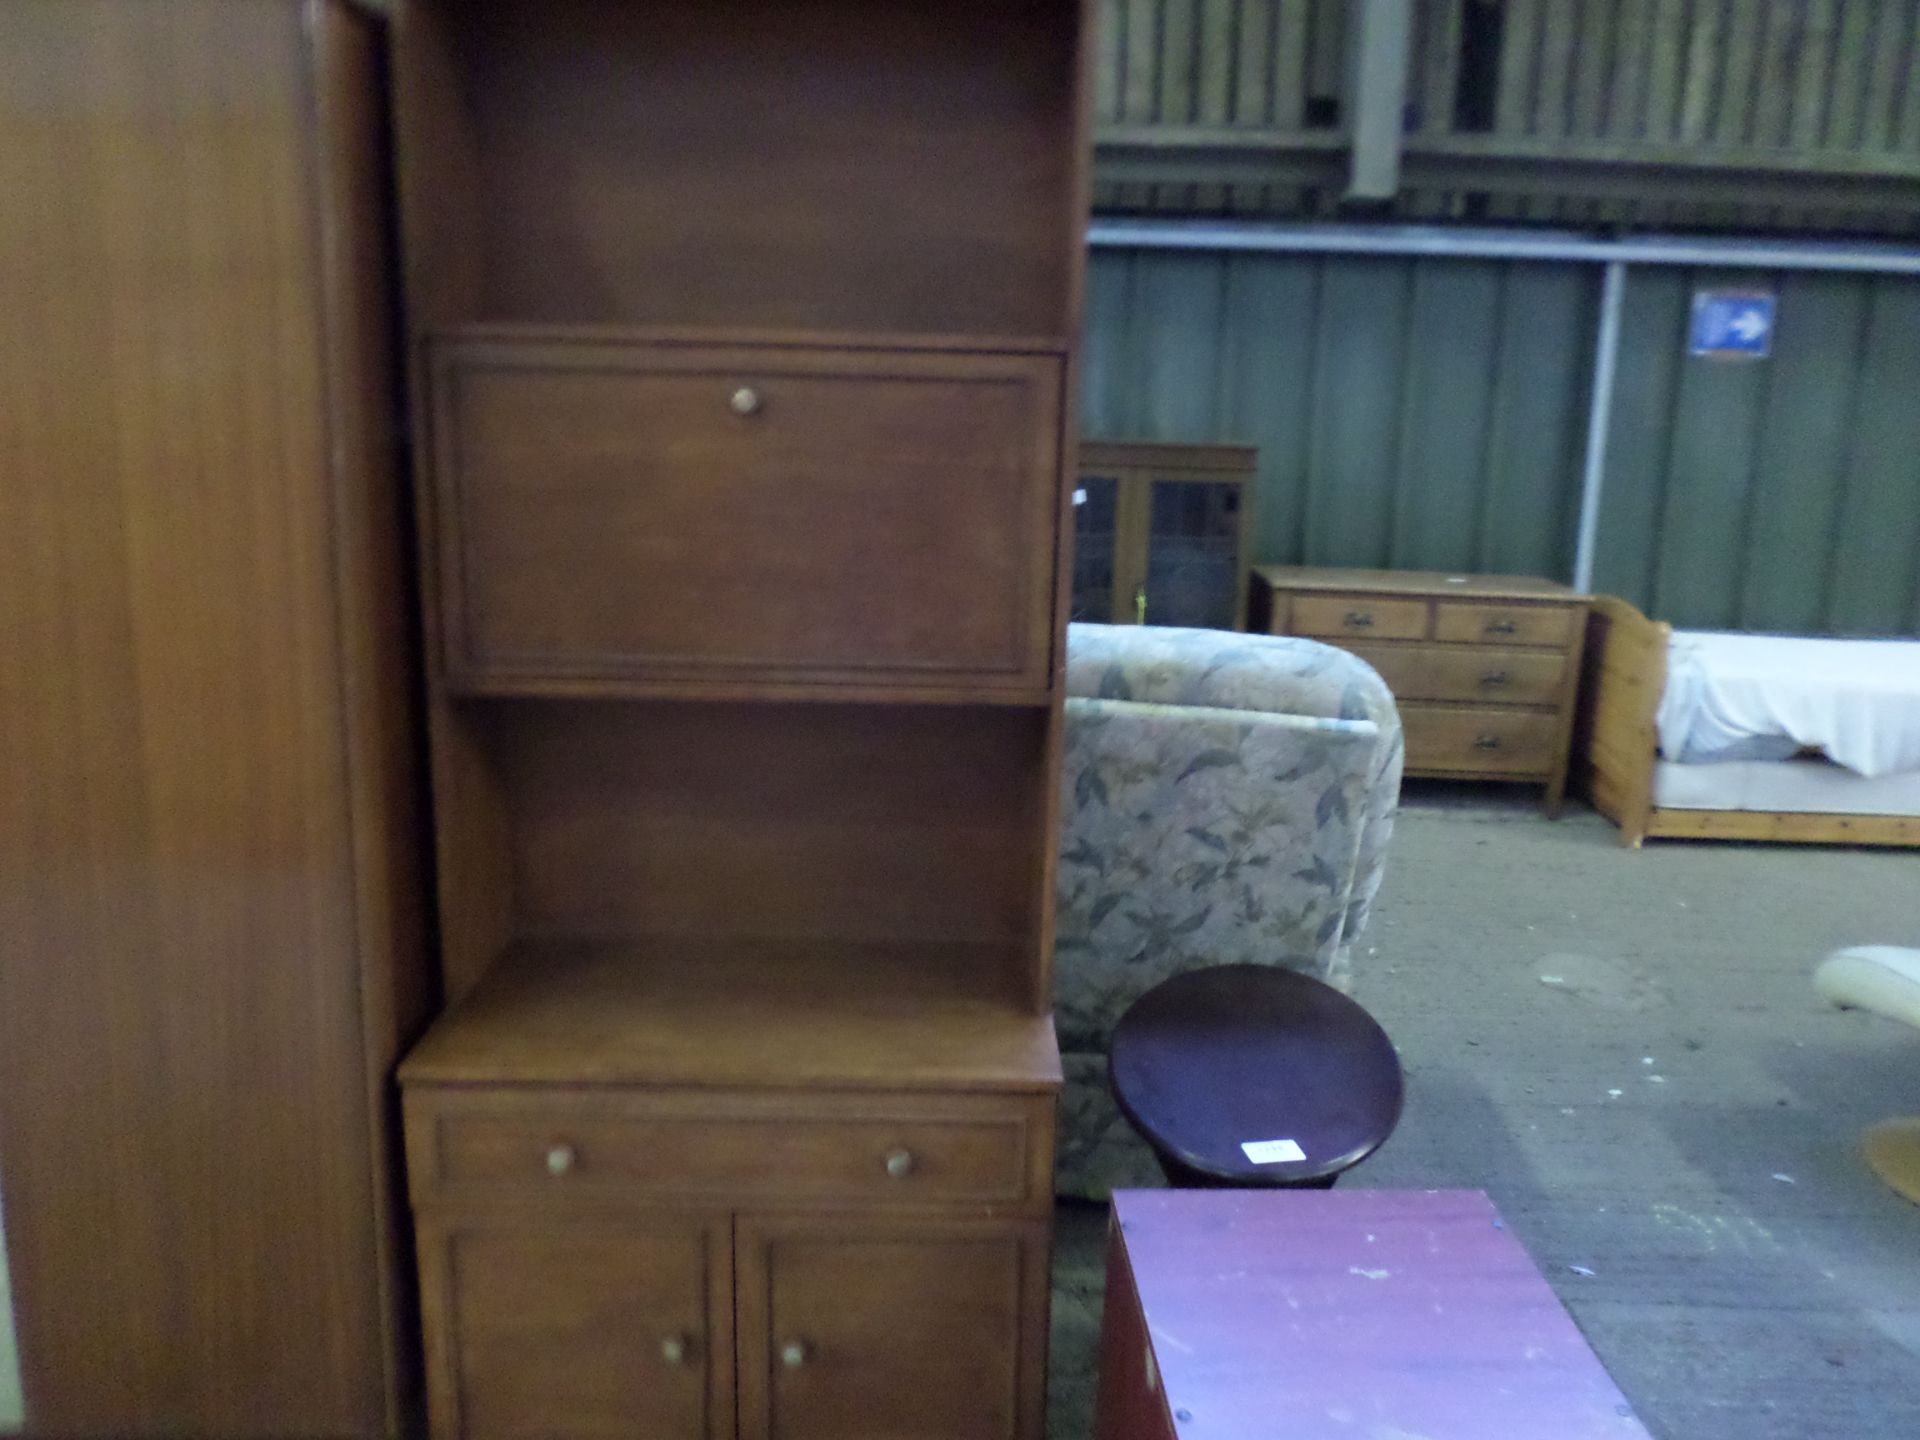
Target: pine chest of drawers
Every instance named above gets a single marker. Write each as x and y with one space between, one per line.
1485 667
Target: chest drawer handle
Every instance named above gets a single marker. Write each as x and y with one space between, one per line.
673 1349
745 401
561 1160
1357 620
1496 677
900 1164
1487 742
793 1354
1502 627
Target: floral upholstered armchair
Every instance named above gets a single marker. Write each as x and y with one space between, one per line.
1228 800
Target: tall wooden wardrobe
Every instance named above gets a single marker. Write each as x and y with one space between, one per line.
740 334
210 937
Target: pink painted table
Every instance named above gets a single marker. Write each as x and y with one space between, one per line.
1338 1315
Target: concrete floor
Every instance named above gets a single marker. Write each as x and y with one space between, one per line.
1623 1049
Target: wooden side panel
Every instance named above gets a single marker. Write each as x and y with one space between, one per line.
1616 741
195 844
1131 1404
378 634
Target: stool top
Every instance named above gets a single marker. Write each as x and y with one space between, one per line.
1214 1059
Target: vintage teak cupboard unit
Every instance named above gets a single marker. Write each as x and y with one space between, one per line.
1161 533
740 339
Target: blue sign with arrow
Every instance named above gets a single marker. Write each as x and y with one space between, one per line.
1733 324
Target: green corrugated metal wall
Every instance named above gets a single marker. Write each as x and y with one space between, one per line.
1431 413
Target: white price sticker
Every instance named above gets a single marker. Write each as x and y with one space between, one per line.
1272 1152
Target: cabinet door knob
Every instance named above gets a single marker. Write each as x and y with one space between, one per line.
673 1349
793 1354
745 401
1358 620
1501 627
1495 677
1487 742
900 1164
561 1160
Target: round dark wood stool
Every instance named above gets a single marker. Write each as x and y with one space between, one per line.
1252 1075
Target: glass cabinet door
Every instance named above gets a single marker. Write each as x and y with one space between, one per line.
1193 554
1096 518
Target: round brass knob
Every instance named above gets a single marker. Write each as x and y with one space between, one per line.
745 401
560 1159
673 1349
793 1354
900 1164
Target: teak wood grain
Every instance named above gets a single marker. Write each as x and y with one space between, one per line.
857 822
610 513
928 1328
842 165
495 1145
614 1326
208 856
1437 672
1509 624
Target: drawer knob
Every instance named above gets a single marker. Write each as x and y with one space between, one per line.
793 1354
673 1349
900 1164
1358 620
1501 627
1496 678
1487 742
745 401
561 1160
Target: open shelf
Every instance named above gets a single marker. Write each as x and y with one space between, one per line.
682 1010
834 165
598 821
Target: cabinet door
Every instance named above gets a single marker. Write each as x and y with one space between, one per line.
1096 520
550 1330
646 517
891 1329
1195 572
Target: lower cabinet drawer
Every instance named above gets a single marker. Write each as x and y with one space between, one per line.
1358 617
561 1146
1505 624
1458 740
1447 672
